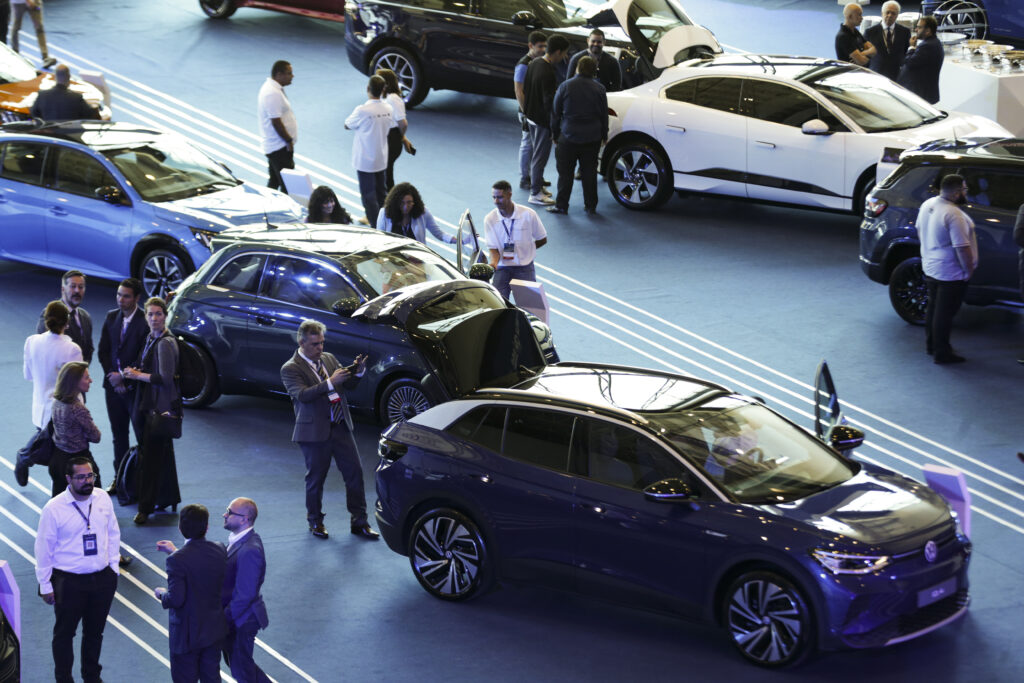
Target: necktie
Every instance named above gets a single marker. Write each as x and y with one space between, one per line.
124 329
888 39
337 410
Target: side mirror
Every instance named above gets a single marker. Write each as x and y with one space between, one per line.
345 307
525 18
845 438
481 271
815 127
669 491
110 194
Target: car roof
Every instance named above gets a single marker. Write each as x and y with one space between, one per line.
331 239
781 67
1008 152
95 134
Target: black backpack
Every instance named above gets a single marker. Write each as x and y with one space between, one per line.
127 477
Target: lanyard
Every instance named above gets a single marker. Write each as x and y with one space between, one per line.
150 339
508 229
79 511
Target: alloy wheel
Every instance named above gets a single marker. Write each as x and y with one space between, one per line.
162 271
447 555
636 177
766 620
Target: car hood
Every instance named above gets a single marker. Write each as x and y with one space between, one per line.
243 204
875 510
956 125
643 25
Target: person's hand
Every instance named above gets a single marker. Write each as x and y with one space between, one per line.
165 547
159 593
115 379
129 372
339 377
120 389
408 145
360 363
913 41
48 598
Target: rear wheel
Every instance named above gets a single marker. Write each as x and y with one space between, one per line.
908 292
768 619
162 269
449 556
639 176
207 387
408 71
402 399
217 9
962 16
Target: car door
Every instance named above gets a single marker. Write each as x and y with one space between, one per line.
23 201
699 124
784 164
993 199
82 230
650 553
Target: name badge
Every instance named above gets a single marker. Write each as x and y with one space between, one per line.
509 250
89 546
333 397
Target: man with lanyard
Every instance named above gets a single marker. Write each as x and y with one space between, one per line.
513 234
537 43
76 565
850 44
891 41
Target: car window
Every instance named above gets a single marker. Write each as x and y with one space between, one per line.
615 455
684 91
241 274
483 426
385 271
914 182
304 283
168 168
539 437
24 162
78 173
778 103
999 190
874 102
722 94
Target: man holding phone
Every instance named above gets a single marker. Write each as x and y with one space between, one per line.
316 381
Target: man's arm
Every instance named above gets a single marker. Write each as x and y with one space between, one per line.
113 539
495 255
283 132
556 112
965 256
106 359
518 79
251 566
537 244
295 384
46 539
173 597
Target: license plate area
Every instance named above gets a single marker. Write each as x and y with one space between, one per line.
936 592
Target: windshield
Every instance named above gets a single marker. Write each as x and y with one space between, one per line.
751 452
13 67
874 102
386 271
563 13
169 168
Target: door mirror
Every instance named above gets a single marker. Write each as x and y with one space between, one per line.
668 491
815 127
345 307
481 271
111 194
845 438
525 18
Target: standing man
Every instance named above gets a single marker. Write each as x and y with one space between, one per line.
538 97
277 123
513 234
34 8
371 122
949 255
76 566
579 125
315 381
195 576
536 44
606 67
1018 238
59 103
850 44
243 605
79 329
920 73
891 41
121 340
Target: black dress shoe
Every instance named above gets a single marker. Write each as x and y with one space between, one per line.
141 518
318 530
364 531
557 209
590 211
949 359
1020 456
112 491
546 183
21 473
124 561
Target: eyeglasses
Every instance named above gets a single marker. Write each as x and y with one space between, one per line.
230 512
84 477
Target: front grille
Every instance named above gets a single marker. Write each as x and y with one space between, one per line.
910 625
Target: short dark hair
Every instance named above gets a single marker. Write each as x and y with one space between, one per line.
951 182
557 43
536 37
56 316
586 66
376 85
930 23
133 284
156 301
70 274
69 466
503 185
280 66
597 32
193 521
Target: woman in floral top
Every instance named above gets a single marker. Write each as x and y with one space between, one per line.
73 428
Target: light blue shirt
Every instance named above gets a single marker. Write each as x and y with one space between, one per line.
419 227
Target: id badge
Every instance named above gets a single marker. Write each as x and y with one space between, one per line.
509 251
333 397
89 545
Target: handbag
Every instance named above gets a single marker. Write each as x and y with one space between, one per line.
166 424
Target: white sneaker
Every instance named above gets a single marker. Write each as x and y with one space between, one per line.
542 199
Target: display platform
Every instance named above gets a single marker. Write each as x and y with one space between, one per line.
973 87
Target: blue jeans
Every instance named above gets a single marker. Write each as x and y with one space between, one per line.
525 151
541 139
505 274
372 190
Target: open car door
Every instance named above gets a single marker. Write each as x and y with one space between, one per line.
468 248
829 423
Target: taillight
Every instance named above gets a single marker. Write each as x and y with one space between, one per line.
875 206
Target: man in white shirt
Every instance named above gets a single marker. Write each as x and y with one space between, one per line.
277 123
513 234
76 566
949 255
371 122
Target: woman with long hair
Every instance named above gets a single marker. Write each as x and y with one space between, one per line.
404 214
399 127
73 427
324 207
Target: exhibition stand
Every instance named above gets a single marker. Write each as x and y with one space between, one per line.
974 88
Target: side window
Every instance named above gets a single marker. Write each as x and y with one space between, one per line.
999 190
778 103
24 162
722 94
78 173
482 426
619 456
539 437
241 274
304 283
685 91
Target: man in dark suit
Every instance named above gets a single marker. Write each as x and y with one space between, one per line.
195 578
60 103
891 40
607 67
920 73
79 328
323 425
121 339
244 609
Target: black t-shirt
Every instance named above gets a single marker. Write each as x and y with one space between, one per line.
539 91
848 40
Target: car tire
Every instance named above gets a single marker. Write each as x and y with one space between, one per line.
861 197
400 400
768 619
210 390
162 269
639 176
408 70
217 9
449 556
908 293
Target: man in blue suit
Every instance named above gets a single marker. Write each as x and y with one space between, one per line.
195 577
243 605
920 73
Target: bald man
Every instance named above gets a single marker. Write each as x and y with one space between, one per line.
850 44
60 103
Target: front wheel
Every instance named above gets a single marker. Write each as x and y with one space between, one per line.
908 292
408 71
217 9
449 556
162 269
768 619
200 388
401 400
639 177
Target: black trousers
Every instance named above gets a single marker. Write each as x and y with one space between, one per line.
567 155
341 446
282 158
394 151
238 647
944 300
158 473
119 410
84 598
201 665
58 463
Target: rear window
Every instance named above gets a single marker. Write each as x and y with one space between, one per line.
482 426
916 183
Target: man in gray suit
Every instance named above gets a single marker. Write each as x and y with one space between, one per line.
323 425
244 608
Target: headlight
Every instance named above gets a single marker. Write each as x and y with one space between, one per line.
541 331
846 563
204 237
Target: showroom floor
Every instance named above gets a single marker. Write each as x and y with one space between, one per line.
750 296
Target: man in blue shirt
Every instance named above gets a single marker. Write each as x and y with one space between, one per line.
579 124
537 43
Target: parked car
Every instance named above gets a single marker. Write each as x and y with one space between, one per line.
670 493
794 130
332 10
21 81
474 46
116 200
377 293
1002 19
890 252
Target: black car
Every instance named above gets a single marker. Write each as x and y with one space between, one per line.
889 247
473 46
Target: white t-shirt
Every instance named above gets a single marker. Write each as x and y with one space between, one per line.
523 228
942 227
397 107
370 121
272 103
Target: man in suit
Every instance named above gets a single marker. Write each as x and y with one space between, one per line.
323 425
72 291
891 41
920 73
244 609
195 577
121 339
